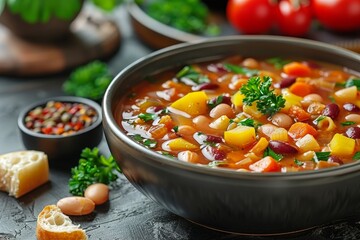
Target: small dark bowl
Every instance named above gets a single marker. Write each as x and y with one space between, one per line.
241 202
62 151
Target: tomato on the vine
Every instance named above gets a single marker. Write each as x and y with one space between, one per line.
293 18
338 15
250 16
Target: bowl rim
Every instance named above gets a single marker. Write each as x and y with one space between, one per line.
68 99
221 172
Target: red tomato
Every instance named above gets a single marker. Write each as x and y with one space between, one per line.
250 16
338 15
293 20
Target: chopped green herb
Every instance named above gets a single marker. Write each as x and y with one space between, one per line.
213 103
250 123
319 119
165 111
176 129
347 123
189 73
278 62
332 99
321 156
356 156
353 82
340 84
167 154
269 152
92 168
216 163
186 15
150 143
298 162
147 116
89 81
260 92
241 70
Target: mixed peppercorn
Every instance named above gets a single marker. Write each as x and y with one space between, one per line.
60 118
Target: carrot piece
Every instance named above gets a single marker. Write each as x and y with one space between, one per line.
297 69
158 131
266 164
298 113
300 129
301 89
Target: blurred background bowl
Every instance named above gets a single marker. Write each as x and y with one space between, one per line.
63 151
247 203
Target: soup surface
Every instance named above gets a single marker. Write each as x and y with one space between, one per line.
246 114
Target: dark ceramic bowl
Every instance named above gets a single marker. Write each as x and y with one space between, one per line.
62 151
248 203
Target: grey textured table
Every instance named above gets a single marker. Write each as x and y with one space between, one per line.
128 214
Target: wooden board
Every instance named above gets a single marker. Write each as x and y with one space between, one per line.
92 37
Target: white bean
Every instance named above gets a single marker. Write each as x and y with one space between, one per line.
282 120
222 109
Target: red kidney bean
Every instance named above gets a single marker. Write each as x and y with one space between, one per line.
331 110
335 159
212 153
282 147
286 82
353 132
350 107
214 139
205 86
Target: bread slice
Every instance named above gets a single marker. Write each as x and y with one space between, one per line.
52 224
23 171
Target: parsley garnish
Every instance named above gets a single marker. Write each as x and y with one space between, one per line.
216 163
353 82
250 123
278 62
215 101
92 168
269 152
259 92
189 73
176 129
298 162
347 123
150 143
356 156
147 116
321 156
240 70
167 154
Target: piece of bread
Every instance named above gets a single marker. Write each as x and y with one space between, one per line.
23 171
52 224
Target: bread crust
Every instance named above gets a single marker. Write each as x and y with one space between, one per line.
56 232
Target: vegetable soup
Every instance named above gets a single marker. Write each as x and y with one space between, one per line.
247 114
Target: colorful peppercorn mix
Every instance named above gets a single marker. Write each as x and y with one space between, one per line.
60 118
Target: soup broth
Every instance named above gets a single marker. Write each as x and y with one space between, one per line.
247 114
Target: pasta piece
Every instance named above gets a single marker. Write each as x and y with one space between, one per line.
326 124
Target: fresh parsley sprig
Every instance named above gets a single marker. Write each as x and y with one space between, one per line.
92 168
259 91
